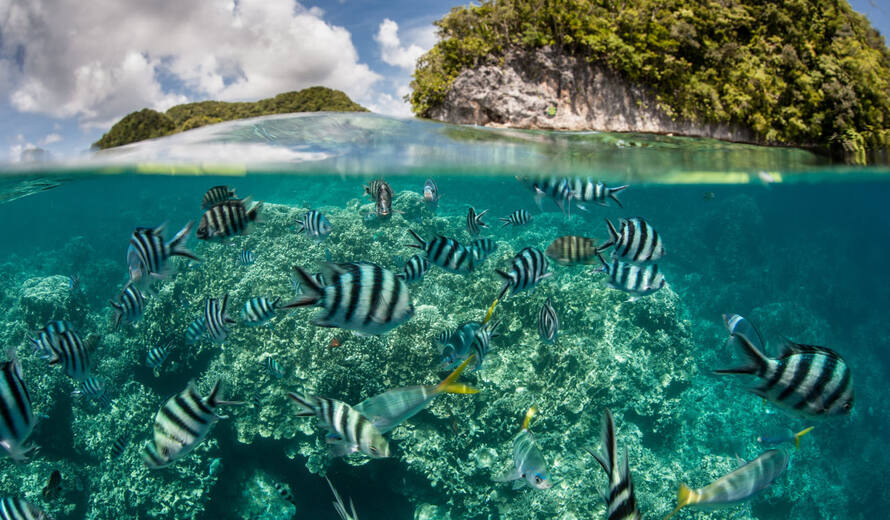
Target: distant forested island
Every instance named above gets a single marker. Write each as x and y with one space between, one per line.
147 123
797 72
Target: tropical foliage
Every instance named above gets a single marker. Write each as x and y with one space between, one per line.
808 72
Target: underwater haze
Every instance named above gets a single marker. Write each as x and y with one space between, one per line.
796 246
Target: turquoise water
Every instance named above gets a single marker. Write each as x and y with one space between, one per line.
795 245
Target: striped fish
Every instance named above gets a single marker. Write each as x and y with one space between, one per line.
621 502
474 221
456 344
548 323
247 257
482 341
16 415
216 319
362 296
93 388
637 242
529 466
372 189
383 206
217 194
414 269
195 331
572 250
315 225
807 380
737 486
557 188
259 310
227 218
181 425
148 253
156 356
529 267
339 506
447 253
71 352
273 367
42 340
588 190
17 508
118 447
130 306
639 280
350 431
517 218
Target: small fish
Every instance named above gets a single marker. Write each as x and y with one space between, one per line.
372 189
414 269
148 253
517 218
72 353
639 280
315 225
217 194
74 283
228 218
621 502
456 344
16 508
94 388
474 221
709 195
446 253
118 447
273 367
431 194
43 340
548 323
17 418
195 331
393 407
482 341
259 310
247 257
383 207
334 343
529 267
130 306
352 432
786 435
52 489
572 250
284 492
156 356
363 297
482 248
528 461
735 487
637 242
216 319
181 425
806 380
557 188
339 506
588 190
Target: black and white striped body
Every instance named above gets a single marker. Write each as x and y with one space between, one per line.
414 269
147 254
273 367
474 221
156 357
548 323
93 388
383 205
372 189
118 447
588 190
217 194
636 242
70 351
621 502
259 310
352 430
180 426
16 415
557 188
517 218
482 341
195 331
639 280
130 306
227 218
529 267
446 253
43 339
359 296
315 225
247 257
482 248
572 250
15 508
216 319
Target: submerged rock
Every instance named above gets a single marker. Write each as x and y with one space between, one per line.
46 298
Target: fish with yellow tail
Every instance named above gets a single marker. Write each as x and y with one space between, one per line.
528 461
348 429
393 407
786 435
621 502
737 486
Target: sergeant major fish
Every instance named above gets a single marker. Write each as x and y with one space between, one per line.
414 269
130 306
17 508
446 253
259 310
147 254
195 331
557 188
482 248
247 257
156 356
548 323
69 351
621 502
529 267
216 318
588 190
118 447
217 194
273 367
638 280
93 388
637 242
17 419
572 250
315 225
373 188
383 205
529 466
227 218
350 431
43 340
517 218
474 221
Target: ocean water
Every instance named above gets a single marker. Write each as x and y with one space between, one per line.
797 246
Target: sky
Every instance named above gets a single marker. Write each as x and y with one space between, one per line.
69 69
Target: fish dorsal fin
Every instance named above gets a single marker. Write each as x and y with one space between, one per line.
790 348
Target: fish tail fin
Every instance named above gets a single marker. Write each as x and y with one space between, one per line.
253 214
505 220
606 458
459 388
490 311
506 286
212 399
613 194
528 417
421 243
177 245
307 403
448 384
758 361
613 235
118 314
479 218
312 292
800 434
685 496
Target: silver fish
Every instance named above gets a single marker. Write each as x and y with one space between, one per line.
529 466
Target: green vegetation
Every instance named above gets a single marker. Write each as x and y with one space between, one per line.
810 72
147 123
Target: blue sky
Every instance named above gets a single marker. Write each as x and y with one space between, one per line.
69 69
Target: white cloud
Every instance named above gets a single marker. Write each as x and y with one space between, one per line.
391 49
100 59
50 139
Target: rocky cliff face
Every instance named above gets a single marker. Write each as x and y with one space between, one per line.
546 89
